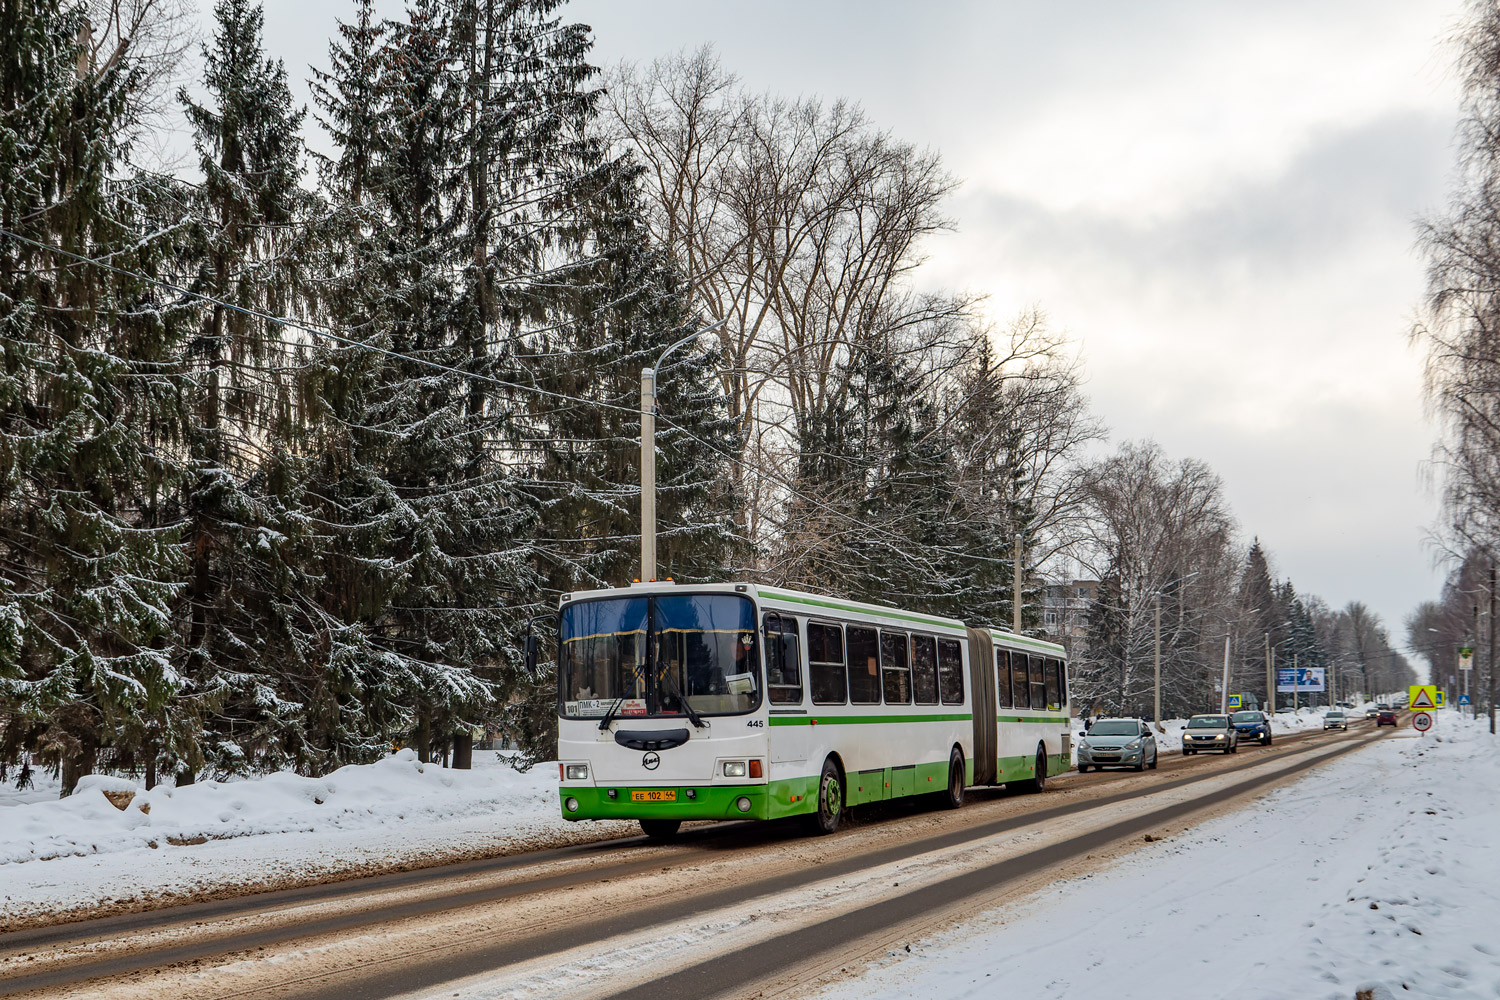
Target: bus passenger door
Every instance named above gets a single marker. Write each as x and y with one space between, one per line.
786 688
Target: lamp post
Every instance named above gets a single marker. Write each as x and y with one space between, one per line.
648 452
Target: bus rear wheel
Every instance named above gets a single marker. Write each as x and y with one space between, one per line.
1038 782
825 819
953 797
660 829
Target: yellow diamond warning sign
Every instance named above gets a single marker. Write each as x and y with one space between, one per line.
1422 696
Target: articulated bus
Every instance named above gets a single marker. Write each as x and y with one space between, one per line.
738 701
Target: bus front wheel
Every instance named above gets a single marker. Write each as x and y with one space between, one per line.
830 811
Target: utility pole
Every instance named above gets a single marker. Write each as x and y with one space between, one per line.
1270 679
648 475
1015 601
1224 690
1157 685
1491 695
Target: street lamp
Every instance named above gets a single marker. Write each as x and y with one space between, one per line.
648 453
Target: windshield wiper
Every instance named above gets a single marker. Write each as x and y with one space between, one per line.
610 715
693 716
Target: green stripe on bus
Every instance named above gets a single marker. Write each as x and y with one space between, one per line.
1031 718
864 720
875 611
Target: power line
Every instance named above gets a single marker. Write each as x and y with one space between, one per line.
317 329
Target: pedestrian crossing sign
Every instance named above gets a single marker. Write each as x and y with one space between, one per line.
1463 699
1422 696
1442 698
1234 703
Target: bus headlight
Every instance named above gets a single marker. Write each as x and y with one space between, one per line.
578 772
734 769
571 804
742 804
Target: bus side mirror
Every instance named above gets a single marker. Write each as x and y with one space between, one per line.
531 653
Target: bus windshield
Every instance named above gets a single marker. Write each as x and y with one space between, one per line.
641 656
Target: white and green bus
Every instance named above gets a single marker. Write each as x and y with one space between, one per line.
738 701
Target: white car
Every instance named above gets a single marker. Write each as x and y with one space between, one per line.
1210 732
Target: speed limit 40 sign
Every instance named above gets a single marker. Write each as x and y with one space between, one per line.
1421 722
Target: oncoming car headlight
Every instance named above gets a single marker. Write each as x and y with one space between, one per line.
735 769
578 772
1133 745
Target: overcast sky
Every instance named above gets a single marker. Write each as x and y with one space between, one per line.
1216 200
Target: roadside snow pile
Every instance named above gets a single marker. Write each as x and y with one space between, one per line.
1282 724
1372 876
107 814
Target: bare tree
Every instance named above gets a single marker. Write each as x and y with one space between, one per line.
1159 530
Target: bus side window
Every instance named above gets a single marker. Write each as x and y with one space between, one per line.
783 660
1038 688
1054 698
863 651
894 669
924 680
1019 689
825 663
951 671
1002 677
1062 682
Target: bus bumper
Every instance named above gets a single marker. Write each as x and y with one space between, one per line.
689 802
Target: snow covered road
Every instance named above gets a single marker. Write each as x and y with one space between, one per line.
1377 872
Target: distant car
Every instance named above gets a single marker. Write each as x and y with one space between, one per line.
1210 732
1336 720
1252 726
1386 717
1372 713
1116 743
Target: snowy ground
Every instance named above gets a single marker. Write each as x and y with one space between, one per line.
60 855
1376 872
1282 724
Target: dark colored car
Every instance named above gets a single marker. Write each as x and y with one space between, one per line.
1387 717
1252 726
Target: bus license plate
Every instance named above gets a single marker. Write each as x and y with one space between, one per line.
655 795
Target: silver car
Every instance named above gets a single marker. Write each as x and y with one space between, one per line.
1210 732
1116 743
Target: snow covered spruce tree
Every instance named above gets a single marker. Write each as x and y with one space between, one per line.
88 427
474 223
253 641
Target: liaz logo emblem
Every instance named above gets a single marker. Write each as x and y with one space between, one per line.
650 761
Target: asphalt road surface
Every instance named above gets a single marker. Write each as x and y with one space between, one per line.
533 917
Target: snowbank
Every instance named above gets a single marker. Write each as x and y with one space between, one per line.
1282 724
213 839
107 814
1374 873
